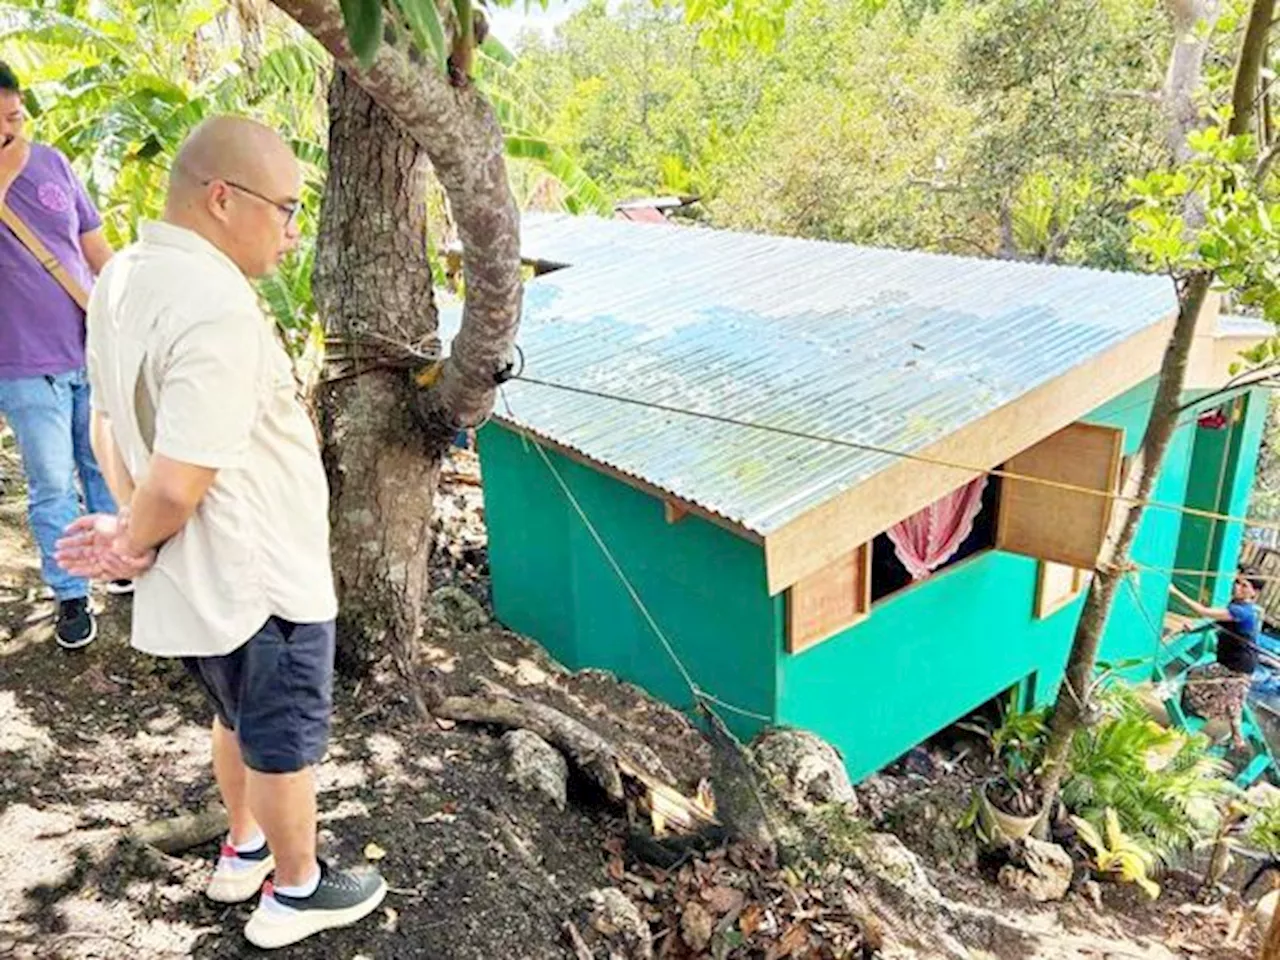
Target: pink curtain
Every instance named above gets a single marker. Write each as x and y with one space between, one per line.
929 539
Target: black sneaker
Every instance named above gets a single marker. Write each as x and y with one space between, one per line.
119 588
76 625
342 898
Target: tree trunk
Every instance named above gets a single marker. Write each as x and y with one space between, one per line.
1067 711
383 434
1186 66
1183 81
457 129
373 280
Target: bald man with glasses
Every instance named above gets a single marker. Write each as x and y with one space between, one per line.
199 430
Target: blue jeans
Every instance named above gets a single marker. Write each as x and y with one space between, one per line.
50 417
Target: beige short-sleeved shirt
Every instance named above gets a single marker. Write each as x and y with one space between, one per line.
224 397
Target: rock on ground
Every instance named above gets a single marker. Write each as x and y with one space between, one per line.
808 771
616 922
1040 870
535 765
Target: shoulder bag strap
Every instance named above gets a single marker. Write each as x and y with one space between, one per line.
27 237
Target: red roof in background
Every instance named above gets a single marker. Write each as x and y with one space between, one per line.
640 215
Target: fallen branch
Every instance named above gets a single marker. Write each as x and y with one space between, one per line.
593 754
580 949
467 479
175 835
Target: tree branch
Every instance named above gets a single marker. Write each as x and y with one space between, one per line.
1249 66
458 131
1266 160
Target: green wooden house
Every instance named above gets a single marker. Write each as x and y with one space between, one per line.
746 426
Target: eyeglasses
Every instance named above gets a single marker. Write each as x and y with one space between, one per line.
290 209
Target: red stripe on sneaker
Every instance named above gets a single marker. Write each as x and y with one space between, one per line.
268 889
228 851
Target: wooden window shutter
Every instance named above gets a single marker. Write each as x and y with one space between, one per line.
830 600
1056 586
1049 523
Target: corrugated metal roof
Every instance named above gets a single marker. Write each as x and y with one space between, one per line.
1239 325
884 347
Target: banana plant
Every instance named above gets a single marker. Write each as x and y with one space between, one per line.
117 84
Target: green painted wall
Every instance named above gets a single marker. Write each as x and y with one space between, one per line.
941 648
1221 480
1240 488
960 639
551 581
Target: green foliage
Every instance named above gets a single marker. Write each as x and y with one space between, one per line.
363 20
1215 215
1165 787
1264 829
1016 742
1118 854
118 84
1061 91
1003 128
544 174
423 17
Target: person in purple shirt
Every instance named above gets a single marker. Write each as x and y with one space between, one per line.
44 394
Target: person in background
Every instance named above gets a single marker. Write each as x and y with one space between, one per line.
200 431
1220 689
44 394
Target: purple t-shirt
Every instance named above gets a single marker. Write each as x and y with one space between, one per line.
41 327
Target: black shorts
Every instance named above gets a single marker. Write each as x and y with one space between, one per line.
275 692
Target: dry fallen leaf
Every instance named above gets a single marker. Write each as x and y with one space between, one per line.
390 919
616 869
373 852
439 818
696 926
795 940
721 900
440 659
529 674
749 922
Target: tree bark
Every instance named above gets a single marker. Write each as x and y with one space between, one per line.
1184 78
384 435
457 129
1186 66
373 283
1072 695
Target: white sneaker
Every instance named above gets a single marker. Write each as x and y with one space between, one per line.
341 898
119 588
238 876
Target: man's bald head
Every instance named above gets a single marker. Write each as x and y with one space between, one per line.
235 182
230 148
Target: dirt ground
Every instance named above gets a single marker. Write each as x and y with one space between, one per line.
96 741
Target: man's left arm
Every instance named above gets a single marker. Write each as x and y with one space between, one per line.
112 464
93 243
97 251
